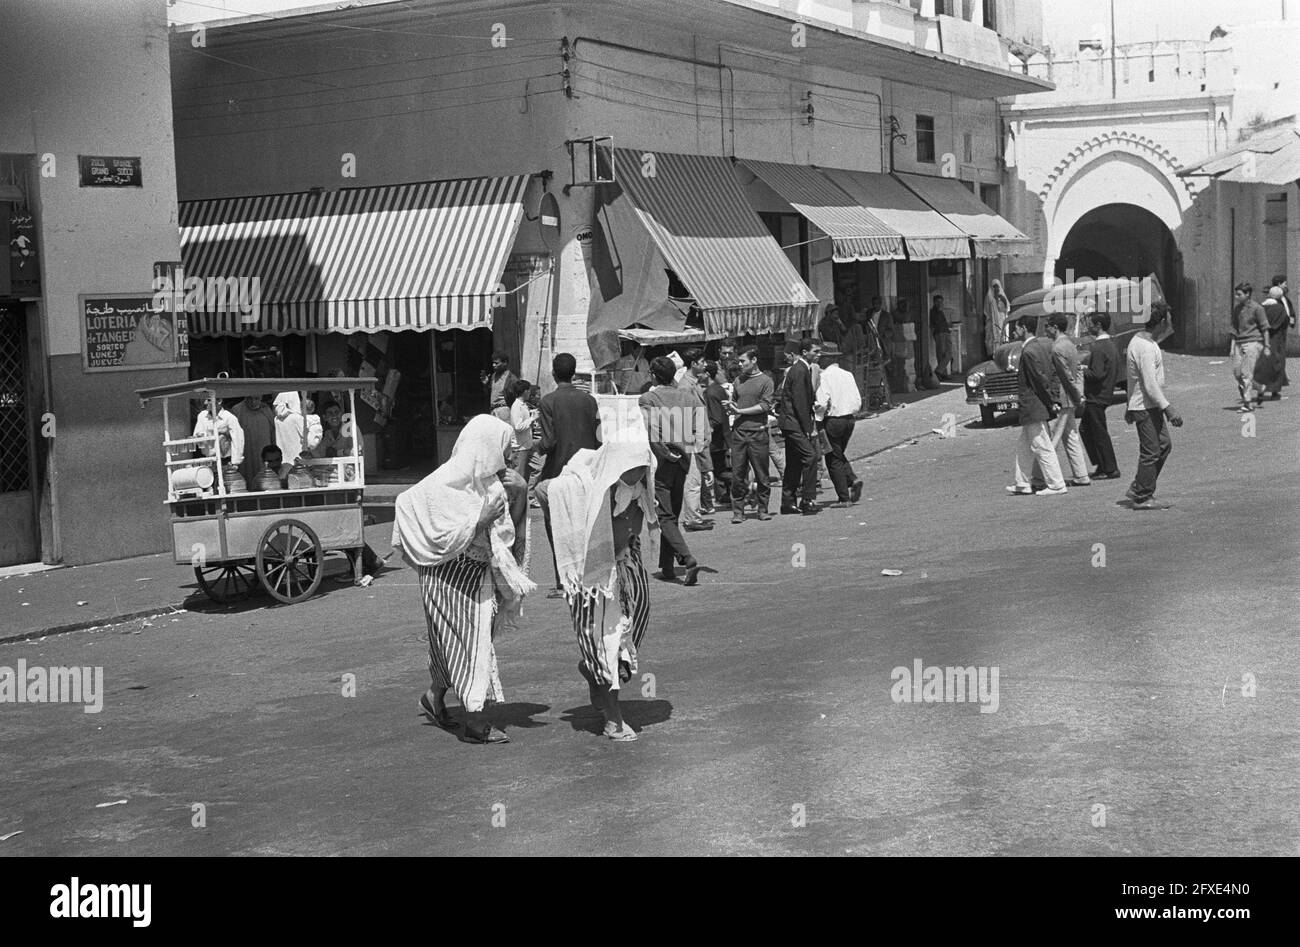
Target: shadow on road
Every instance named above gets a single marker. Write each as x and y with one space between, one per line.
639 714
517 714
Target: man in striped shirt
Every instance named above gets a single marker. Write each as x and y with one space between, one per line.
1149 409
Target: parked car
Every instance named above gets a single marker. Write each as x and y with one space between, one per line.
993 385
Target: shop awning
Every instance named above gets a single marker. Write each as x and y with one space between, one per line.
855 233
658 337
992 234
697 215
409 256
1271 158
927 234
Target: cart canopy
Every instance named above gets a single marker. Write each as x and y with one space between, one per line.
243 387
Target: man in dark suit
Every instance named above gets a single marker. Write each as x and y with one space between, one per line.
795 419
1098 389
569 419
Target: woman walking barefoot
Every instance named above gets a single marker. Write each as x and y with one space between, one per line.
455 529
600 503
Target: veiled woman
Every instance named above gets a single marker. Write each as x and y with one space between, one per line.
455 529
600 503
996 310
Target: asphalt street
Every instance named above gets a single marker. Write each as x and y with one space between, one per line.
1147 701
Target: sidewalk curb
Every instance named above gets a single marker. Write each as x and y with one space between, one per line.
100 622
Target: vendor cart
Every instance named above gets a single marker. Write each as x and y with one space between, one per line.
239 539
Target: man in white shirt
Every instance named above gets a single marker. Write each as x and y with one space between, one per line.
1149 409
230 435
837 403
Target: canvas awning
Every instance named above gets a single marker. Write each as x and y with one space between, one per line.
1271 158
991 234
855 233
702 226
411 256
927 234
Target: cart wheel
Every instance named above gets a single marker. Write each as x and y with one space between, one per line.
289 561
227 582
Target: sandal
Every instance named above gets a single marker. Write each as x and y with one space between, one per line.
487 736
426 708
624 734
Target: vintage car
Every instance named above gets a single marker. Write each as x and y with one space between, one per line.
992 384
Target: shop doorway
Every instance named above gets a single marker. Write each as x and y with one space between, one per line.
19 528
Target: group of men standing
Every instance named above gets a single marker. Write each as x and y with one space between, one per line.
1259 335
1056 392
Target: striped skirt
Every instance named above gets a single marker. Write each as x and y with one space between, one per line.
460 605
602 640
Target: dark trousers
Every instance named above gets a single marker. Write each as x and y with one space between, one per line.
720 452
1096 438
838 432
1154 445
750 451
800 480
670 482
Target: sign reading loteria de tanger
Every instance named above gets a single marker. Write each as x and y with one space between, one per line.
123 331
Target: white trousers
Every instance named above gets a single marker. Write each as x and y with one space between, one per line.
1066 428
1035 448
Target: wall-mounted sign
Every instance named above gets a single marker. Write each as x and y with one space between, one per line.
24 271
122 332
103 171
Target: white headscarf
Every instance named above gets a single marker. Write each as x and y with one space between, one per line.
436 519
581 520
288 430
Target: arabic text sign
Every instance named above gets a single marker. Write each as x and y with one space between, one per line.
106 171
123 332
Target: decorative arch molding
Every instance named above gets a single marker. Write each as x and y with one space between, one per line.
1095 147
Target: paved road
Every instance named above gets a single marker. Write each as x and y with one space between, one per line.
1120 686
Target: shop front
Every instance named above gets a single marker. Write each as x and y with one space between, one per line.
408 283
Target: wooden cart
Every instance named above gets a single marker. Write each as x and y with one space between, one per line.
275 539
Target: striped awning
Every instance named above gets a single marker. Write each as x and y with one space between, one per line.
991 233
855 233
927 233
407 256
709 235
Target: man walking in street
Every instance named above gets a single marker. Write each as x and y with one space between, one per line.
1148 407
749 438
569 419
1098 383
670 416
1036 379
1249 341
838 401
795 418
1065 362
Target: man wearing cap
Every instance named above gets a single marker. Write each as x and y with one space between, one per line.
795 419
838 401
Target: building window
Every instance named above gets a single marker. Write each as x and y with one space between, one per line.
968 147
925 138
991 15
991 194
